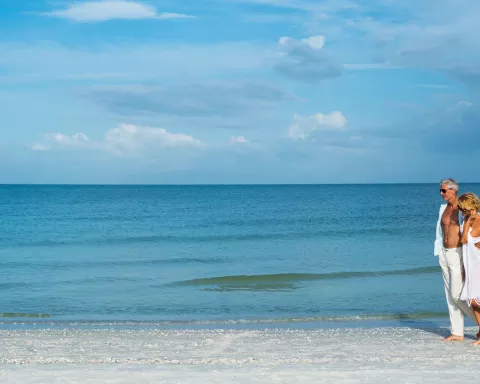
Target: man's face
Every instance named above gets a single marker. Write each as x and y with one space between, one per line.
446 193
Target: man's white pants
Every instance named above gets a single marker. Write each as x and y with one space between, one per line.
451 263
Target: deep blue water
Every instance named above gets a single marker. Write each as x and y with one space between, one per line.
221 254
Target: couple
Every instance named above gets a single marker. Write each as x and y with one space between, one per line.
458 246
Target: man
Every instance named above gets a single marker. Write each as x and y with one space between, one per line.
449 249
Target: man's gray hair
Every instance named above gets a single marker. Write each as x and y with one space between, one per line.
450 183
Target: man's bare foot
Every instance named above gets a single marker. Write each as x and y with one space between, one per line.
476 342
454 338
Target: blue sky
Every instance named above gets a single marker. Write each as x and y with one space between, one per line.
239 91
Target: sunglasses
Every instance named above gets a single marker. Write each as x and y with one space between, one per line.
443 190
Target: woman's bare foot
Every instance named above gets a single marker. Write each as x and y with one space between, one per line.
476 342
454 338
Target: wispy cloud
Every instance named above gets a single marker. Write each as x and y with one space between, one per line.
438 36
39 147
71 77
306 60
52 61
433 86
288 4
226 99
273 18
370 66
330 6
467 74
98 11
452 125
455 127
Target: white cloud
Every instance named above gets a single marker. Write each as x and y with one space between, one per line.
39 147
303 127
315 42
126 139
130 138
240 144
76 140
239 140
284 40
97 11
59 140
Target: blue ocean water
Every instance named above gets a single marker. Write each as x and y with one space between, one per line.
219 254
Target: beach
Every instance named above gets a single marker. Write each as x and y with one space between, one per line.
380 355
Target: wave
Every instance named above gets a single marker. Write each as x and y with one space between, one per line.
266 283
341 233
80 281
269 287
287 279
13 285
289 320
24 315
109 263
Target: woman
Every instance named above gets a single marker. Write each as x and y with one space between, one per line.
469 205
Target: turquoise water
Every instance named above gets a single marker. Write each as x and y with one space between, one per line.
216 255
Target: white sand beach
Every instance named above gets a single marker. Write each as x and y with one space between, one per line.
399 355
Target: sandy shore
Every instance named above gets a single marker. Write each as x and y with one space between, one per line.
400 355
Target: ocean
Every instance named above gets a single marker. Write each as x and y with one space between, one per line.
219 256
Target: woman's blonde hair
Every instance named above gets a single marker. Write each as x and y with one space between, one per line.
469 201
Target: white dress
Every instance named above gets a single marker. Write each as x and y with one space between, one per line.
471 262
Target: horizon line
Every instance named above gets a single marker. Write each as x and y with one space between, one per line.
220 184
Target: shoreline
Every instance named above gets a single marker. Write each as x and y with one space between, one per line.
342 355
232 325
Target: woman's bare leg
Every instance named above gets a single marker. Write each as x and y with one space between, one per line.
476 312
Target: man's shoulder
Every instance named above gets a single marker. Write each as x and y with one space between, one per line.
442 209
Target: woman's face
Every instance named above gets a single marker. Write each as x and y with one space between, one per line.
466 211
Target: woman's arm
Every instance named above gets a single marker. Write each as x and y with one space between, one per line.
466 228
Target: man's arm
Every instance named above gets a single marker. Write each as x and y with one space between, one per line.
439 233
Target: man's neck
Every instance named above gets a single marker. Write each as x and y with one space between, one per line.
452 202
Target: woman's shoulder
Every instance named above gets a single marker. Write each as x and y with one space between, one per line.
475 228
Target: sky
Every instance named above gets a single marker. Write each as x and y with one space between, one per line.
239 91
